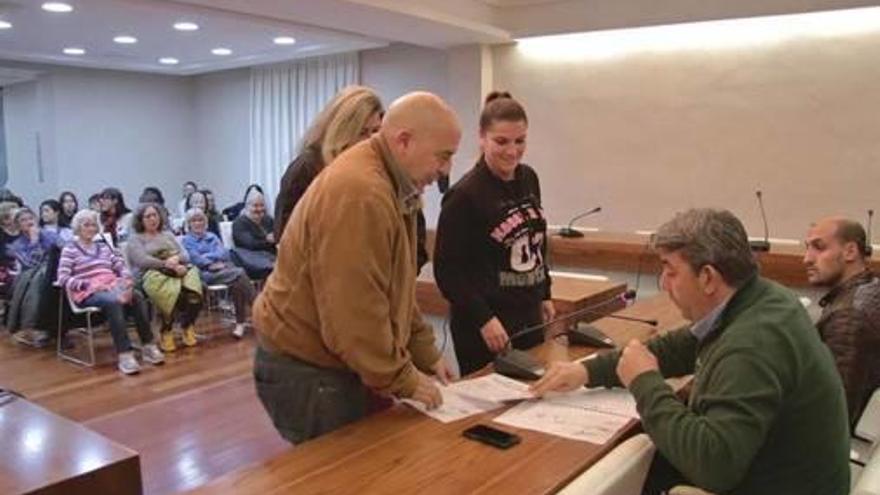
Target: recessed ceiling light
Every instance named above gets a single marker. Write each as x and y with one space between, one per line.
186 26
284 40
125 40
169 61
57 7
74 51
221 51
5 25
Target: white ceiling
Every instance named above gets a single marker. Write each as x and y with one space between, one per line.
327 26
39 36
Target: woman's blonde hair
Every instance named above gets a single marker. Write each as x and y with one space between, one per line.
341 123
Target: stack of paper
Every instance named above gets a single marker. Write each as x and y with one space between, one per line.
475 396
590 415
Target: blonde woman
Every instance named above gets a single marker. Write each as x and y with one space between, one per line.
354 114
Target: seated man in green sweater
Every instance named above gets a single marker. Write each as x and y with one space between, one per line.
766 412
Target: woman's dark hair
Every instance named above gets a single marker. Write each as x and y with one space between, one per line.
67 194
501 106
94 197
113 193
55 205
137 220
210 201
190 183
249 189
7 196
152 194
188 203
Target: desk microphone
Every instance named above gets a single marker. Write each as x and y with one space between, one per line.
588 335
520 364
761 246
869 245
570 233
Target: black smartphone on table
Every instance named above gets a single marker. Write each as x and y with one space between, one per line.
491 436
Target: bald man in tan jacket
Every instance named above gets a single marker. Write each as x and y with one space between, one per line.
337 322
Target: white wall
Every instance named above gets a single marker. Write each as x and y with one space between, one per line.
124 130
97 129
222 123
650 134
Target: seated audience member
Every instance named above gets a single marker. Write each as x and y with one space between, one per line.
8 233
95 202
152 194
253 238
115 216
208 254
353 115
199 200
7 196
69 207
766 412
850 320
211 211
162 267
36 258
94 274
189 187
232 212
50 218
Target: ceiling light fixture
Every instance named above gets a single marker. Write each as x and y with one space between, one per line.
221 51
125 40
74 51
169 61
5 25
57 7
284 40
186 26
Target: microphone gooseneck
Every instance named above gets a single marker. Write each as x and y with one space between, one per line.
569 231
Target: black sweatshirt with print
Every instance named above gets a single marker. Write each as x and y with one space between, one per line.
490 256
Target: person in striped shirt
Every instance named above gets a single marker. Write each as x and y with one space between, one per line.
94 274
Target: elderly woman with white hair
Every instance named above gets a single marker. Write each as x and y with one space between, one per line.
206 252
94 274
253 238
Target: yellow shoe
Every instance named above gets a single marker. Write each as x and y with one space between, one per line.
167 342
189 336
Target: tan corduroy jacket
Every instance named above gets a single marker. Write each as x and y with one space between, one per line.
342 294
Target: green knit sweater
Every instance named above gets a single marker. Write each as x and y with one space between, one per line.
766 413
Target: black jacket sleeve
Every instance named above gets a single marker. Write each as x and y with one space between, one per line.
296 179
452 250
246 234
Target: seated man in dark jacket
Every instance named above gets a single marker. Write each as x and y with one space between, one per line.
850 321
766 412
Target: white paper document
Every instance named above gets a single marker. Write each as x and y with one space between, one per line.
494 388
474 396
455 406
564 420
617 401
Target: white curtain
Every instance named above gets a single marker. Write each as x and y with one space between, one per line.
284 101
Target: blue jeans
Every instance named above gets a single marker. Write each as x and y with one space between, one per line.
305 401
114 312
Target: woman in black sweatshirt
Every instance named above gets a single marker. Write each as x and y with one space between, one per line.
491 248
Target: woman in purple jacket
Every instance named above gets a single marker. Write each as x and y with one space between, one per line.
206 251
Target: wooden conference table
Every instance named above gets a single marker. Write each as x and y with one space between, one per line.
43 453
402 451
569 292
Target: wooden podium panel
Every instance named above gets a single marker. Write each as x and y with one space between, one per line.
43 453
